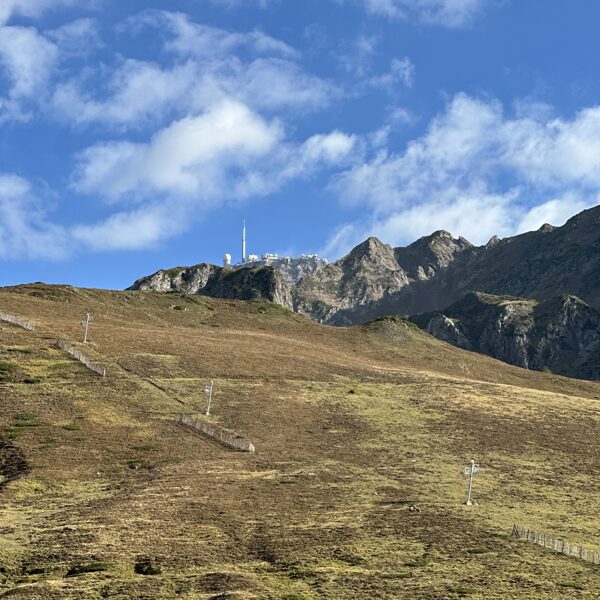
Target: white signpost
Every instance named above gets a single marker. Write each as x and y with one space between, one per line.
469 473
86 325
208 390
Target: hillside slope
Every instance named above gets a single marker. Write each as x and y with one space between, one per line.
351 425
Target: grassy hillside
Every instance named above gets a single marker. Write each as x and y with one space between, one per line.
351 426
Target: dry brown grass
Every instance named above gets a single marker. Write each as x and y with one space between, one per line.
350 425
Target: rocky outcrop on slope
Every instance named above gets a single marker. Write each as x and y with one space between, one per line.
353 289
264 283
375 279
430 255
561 335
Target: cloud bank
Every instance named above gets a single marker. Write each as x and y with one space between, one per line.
477 172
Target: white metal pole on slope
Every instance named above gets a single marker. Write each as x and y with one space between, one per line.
469 472
209 389
469 502
86 325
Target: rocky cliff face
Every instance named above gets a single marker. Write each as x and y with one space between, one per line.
353 289
264 283
375 279
561 335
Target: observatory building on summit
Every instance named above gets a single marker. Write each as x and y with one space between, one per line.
293 268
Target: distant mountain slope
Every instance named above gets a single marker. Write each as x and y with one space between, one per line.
561 335
264 283
556 268
375 279
438 270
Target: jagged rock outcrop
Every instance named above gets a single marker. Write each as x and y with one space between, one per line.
188 280
429 255
264 283
561 335
375 279
353 289
438 270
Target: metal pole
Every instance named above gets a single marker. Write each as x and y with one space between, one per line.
210 390
469 502
87 323
244 243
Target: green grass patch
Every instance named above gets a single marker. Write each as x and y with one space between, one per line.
462 591
62 376
92 567
26 417
32 380
146 448
477 551
570 585
6 367
49 444
20 350
11 433
70 426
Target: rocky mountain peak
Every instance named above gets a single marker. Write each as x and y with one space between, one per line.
372 251
370 246
430 254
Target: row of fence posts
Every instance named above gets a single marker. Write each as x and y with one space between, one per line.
223 437
77 354
557 544
15 320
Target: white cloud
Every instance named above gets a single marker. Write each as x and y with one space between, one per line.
193 156
27 61
188 38
555 212
24 230
209 65
138 91
402 71
227 154
35 8
135 229
79 37
332 148
448 13
477 173
236 3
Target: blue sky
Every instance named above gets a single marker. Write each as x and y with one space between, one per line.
136 135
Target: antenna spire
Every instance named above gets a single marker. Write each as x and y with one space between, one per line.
244 242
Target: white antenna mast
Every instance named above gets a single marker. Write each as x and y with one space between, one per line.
244 242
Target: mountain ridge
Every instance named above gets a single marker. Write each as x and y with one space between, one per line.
428 276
